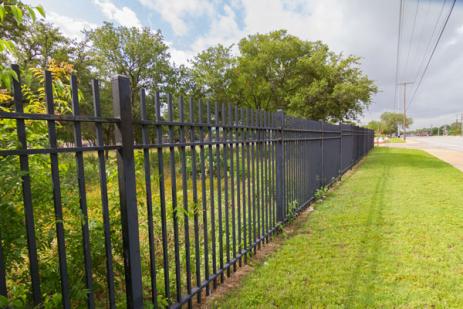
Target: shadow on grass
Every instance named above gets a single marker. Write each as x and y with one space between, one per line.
362 283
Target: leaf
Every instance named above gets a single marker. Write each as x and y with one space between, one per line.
18 303
40 9
8 45
18 14
5 77
2 12
3 301
13 74
31 13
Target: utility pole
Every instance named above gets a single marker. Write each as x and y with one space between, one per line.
461 124
405 108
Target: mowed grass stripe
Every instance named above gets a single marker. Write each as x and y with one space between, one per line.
390 235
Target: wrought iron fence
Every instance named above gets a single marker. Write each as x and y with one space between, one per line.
201 188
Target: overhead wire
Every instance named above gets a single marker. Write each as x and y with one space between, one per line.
420 80
428 45
410 41
398 54
421 43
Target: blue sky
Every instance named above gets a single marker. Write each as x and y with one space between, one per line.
188 25
366 28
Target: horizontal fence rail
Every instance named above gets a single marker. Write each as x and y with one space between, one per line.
179 196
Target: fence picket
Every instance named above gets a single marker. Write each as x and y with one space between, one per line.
149 199
255 170
27 199
104 197
59 223
82 194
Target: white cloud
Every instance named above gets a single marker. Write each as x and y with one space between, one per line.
176 12
70 26
224 30
124 16
306 19
366 28
369 29
181 56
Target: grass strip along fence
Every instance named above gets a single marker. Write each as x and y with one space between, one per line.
185 195
369 244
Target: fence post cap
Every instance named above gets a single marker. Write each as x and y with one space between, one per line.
119 76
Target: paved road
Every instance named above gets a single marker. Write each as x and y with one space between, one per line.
440 142
446 148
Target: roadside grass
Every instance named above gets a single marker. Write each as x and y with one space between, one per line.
395 140
388 236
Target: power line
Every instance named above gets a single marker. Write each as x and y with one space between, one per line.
421 63
411 35
433 51
398 55
421 42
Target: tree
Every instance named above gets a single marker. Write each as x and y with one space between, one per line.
139 54
338 92
391 120
263 69
15 17
455 128
38 44
211 73
376 126
181 82
280 71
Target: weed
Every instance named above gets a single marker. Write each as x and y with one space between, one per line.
321 193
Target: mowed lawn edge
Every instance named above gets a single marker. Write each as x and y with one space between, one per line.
390 235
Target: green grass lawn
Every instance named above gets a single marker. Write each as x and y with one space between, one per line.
389 236
394 140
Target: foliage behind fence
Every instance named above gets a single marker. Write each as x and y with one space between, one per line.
183 197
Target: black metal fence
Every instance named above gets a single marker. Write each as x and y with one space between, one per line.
201 187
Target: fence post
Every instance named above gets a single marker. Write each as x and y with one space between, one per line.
340 150
122 109
322 144
280 165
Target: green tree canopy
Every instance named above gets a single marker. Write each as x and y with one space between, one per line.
39 43
455 128
139 54
376 126
391 120
280 71
211 73
15 18
268 71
